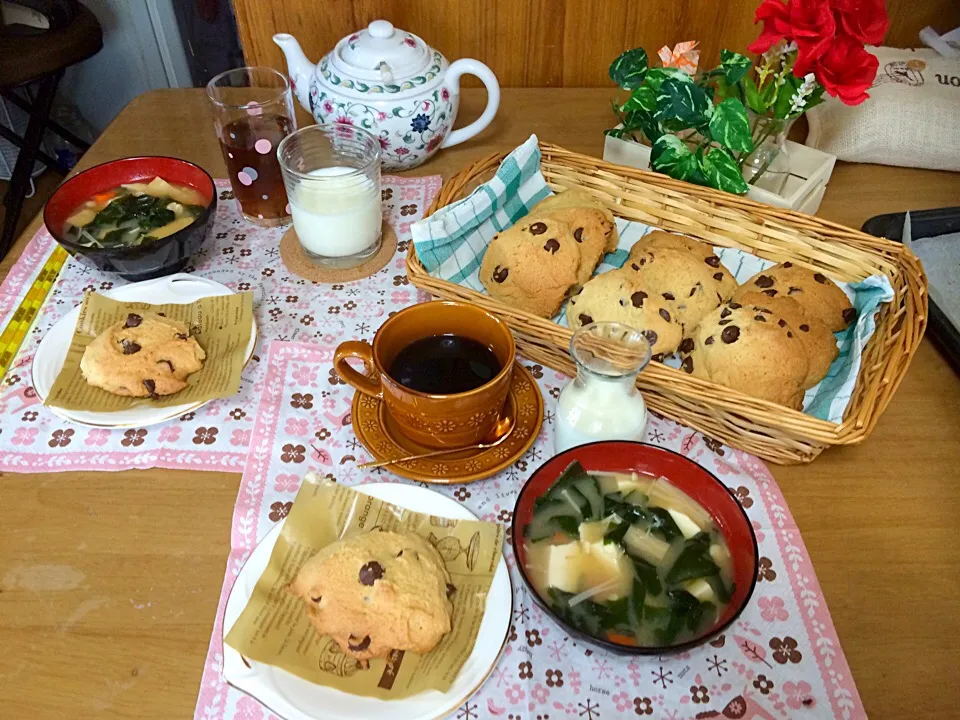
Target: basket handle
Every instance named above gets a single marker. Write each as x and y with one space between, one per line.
362 351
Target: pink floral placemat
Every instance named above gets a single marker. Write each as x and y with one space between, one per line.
781 659
242 257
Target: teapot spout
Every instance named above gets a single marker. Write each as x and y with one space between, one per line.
299 68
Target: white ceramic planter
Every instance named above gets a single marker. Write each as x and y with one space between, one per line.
810 171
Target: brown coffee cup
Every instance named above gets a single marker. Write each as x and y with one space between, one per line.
435 421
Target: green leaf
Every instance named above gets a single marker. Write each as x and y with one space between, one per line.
656 76
629 70
729 126
616 132
785 95
681 101
642 99
735 66
670 156
752 95
651 128
721 171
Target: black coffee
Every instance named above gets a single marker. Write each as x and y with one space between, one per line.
444 365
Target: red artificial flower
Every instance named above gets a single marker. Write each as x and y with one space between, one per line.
847 70
866 20
809 23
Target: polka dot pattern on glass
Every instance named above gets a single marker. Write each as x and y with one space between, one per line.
248 175
262 146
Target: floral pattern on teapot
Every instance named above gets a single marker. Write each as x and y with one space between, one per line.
331 77
409 133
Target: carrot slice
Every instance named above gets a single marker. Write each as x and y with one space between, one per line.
105 196
621 639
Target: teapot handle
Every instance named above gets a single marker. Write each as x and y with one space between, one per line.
467 66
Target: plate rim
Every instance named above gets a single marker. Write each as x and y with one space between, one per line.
274 532
179 409
398 469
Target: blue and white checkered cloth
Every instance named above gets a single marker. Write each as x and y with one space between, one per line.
452 241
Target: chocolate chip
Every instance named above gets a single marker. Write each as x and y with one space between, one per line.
764 310
789 334
651 337
687 363
585 319
358 646
770 293
316 599
371 572
849 315
726 321
719 298
578 235
182 336
726 312
805 327
637 298
718 276
668 296
787 265
664 314
162 314
634 266
169 364
130 347
708 341
551 246
151 387
793 290
400 553
763 281
538 228
642 261
451 589
730 334
820 278
759 318
693 291
734 305
781 322
687 345
659 357
500 274
712 261
133 320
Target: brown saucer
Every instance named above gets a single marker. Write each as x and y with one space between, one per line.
297 262
382 436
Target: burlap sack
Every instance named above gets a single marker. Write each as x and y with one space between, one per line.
912 118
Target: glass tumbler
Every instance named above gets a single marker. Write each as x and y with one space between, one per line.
332 176
253 112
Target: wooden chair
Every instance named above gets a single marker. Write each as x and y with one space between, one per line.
39 58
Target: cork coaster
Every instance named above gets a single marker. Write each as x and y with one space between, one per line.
297 262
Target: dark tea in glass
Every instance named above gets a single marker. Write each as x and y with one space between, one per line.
253 112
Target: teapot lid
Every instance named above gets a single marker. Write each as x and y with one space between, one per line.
381 53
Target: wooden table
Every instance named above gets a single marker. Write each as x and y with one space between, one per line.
109 581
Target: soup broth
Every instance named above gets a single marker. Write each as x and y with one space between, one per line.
627 558
133 214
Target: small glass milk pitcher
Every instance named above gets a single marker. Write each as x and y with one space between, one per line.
602 402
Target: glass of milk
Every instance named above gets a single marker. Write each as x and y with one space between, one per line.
602 402
332 177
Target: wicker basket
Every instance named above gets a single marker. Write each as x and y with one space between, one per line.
771 431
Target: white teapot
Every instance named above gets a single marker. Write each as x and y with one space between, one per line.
393 84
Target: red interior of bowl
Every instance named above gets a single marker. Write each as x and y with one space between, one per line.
695 481
82 186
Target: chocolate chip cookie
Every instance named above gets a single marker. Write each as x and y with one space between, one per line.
617 296
578 198
744 348
376 592
818 341
592 231
533 265
145 355
691 284
818 295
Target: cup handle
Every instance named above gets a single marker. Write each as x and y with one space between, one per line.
363 351
467 66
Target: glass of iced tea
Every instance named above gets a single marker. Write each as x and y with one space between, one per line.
253 112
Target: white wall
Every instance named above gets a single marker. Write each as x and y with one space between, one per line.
142 50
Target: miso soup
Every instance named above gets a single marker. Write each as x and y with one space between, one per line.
628 558
133 214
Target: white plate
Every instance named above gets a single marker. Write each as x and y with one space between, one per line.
180 289
296 699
